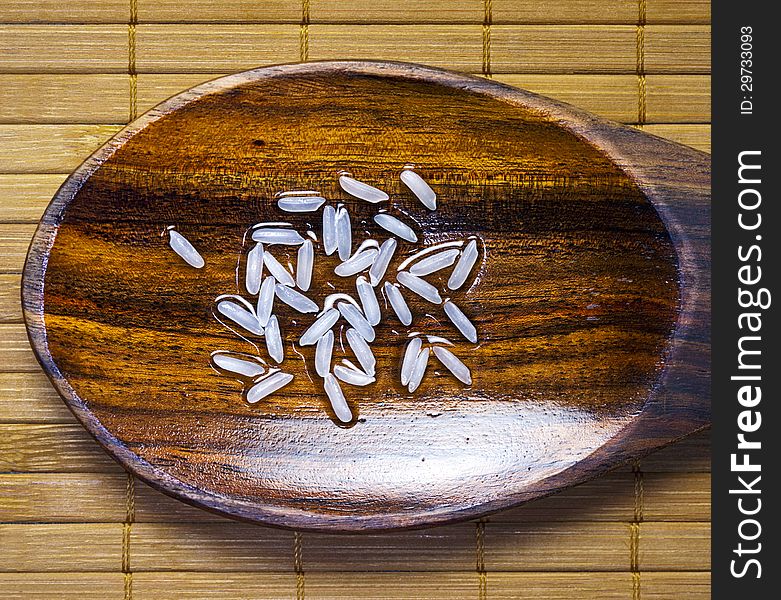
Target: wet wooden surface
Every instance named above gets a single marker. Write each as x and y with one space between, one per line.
585 325
37 104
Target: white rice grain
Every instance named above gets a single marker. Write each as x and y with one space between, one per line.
352 376
254 269
337 399
286 237
240 315
464 266
420 286
436 262
410 355
420 188
185 249
299 204
329 230
371 308
380 266
323 323
296 300
355 318
304 265
461 322
238 366
323 352
453 364
360 261
396 227
344 233
274 340
362 351
398 303
421 362
362 190
267 386
280 273
266 300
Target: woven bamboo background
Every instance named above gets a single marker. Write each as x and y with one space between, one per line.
74 525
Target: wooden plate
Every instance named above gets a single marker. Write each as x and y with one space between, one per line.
591 296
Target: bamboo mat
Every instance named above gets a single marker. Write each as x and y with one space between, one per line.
74 525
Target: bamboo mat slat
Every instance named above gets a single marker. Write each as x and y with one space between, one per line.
63 48
62 586
30 398
224 11
14 240
57 11
694 135
677 99
675 586
402 12
60 448
221 547
674 546
10 292
691 455
63 497
213 48
676 497
49 148
677 48
69 98
61 548
568 546
23 198
452 46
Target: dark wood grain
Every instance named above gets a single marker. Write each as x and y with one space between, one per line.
592 302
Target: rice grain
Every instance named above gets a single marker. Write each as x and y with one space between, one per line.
266 299
344 233
323 352
462 323
285 237
355 318
352 376
434 263
453 364
274 340
268 385
410 355
418 370
420 286
244 317
254 269
360 261
182 246
334 392
362 190
238 366
295 299
299 204
398 303
329 230
420 188
464 266
396 227
368 298
323 323
362 351
380 266
305 265
280 273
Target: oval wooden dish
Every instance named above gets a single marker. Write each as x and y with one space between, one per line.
590 297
